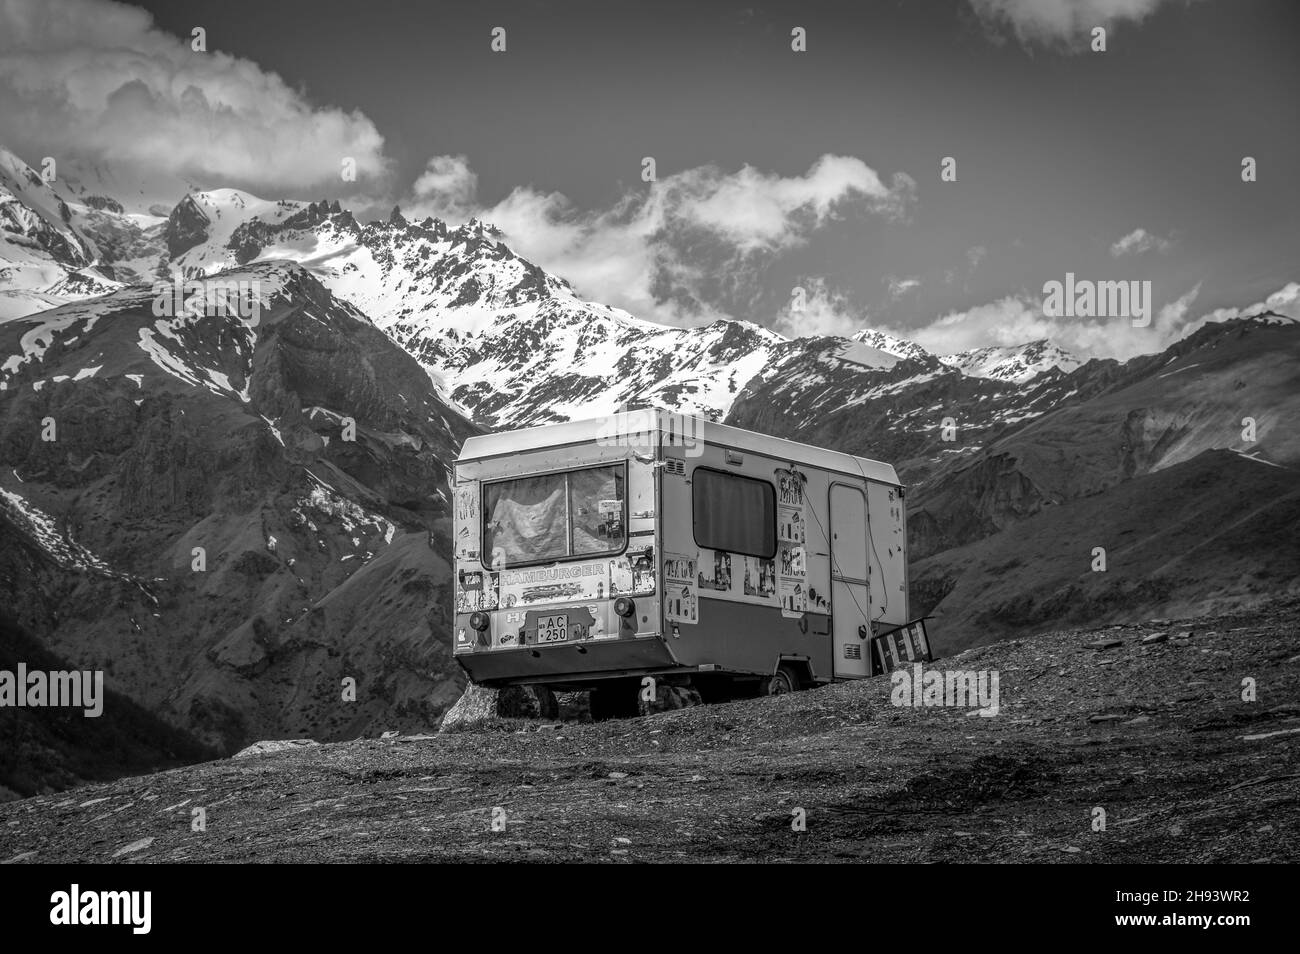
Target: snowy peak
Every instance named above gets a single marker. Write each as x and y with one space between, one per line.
1270 317
213 218
1016 364
33 216
890 344
46 259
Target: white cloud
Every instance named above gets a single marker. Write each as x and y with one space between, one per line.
94 80
446 189
898 287
676 248
824 312
1018 319
1139 241
1285 301
1058 22
1008 321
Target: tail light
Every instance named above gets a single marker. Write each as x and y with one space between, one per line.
624 607
478 621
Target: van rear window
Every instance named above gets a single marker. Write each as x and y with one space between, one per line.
559 516
734 513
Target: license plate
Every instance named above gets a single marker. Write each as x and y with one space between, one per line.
553 629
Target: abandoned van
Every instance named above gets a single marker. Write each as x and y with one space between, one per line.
591 554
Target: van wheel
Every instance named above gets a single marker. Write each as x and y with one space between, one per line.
548 705
784 680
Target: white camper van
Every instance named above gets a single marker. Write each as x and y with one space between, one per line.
591 554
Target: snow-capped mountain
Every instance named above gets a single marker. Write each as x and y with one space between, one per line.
1017 364
504 339
45 258
890 344
60 243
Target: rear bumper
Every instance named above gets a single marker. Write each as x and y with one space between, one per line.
575 662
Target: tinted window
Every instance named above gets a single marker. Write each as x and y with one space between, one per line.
734 513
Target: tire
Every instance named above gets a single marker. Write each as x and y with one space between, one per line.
784 680
547 704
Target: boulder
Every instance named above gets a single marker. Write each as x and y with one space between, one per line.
479 704
476 704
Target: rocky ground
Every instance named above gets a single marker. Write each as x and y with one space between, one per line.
1145 721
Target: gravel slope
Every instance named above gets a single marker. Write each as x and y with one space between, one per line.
1156 735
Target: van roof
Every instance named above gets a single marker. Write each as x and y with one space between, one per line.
652 420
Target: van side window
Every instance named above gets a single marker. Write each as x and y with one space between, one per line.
733 513
556 516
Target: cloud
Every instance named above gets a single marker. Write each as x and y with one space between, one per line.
446 189
823 312
97 81
1139 241
1059 22
1285 301
683 250
898 287
1019 319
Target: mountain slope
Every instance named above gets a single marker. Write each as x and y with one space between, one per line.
1204 534
1122 422
916 412
322 556
1004 508
49 749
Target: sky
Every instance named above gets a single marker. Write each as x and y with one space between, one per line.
774 169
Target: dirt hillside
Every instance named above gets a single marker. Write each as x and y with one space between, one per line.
1145 721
